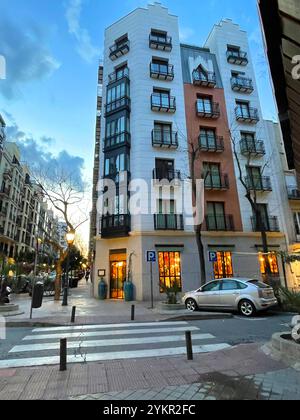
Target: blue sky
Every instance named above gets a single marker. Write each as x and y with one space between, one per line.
52 49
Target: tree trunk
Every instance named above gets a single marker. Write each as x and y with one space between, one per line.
262 229
201 254
59 272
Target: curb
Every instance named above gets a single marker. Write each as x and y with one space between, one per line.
199 317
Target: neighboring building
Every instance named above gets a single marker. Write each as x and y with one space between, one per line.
96 173
2 134
160 97
62 231
24 216
281 24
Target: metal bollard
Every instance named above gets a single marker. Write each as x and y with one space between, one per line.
73 314
132 312
63 355
189 345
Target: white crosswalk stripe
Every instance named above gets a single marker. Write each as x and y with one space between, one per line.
108 342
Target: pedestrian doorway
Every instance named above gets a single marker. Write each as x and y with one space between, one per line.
117 277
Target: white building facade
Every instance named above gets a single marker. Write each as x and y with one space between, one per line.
144 138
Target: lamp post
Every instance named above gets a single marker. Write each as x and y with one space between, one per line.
70 237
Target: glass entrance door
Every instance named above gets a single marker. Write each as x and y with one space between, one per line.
117 279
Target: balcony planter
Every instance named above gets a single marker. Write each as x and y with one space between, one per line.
128 291
102 290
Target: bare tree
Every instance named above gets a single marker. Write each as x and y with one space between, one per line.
250 187
64 192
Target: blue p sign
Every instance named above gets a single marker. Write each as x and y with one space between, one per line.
151 256
213 257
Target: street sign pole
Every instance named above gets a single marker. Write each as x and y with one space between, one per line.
151 272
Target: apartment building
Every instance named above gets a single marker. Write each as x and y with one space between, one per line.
24 216
255 147
144 138
159 97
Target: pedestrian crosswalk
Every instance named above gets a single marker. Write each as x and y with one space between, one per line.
94 343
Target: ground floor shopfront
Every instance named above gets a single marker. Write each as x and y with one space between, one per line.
232 255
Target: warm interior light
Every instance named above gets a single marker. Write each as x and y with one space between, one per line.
11 273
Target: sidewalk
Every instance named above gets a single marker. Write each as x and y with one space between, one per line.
243 372
93 311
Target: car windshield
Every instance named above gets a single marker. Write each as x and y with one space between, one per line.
259 284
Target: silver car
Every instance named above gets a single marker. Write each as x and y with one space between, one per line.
247 296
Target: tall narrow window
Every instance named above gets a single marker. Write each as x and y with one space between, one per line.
223 268
169 270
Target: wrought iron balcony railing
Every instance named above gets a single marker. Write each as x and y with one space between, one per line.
168 222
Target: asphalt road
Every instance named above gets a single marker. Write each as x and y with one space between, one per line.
239 330
233 331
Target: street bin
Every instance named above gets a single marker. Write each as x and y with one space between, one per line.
37 297
128 291
102 290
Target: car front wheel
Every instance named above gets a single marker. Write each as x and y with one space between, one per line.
247 308
191 305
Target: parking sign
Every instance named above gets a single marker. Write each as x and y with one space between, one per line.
213 256
151 256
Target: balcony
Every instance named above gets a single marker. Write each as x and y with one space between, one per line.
119 49
4 192
165 139
242 84
249 115
207 80
115 226
239 58
116 76
118 105
168 174
217 183
220 223
168 222
259 184
208 111
116 141
7 175
271 224
211 144
162 72
163 103
252 148
293 193
160 42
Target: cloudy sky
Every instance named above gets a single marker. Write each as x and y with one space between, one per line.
52 48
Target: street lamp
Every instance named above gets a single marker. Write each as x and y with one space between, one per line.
70 237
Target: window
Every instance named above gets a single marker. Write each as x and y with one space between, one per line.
212 287
116 164
160 66
223 267
166 206
212 174
163 133
249 139
122 42
263 209
254 174
273 263
297 223
169 269
243 108
117 92
161 98
216 216
117 126
159 36
230 285
205 105
208 137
